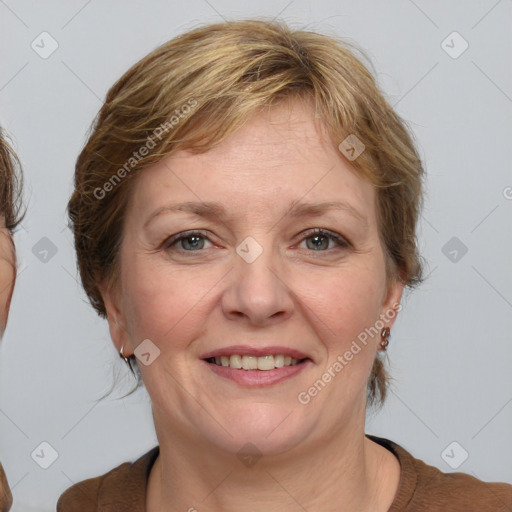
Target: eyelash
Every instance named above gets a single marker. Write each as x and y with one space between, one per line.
338 239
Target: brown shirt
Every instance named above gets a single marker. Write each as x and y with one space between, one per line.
422 488
5 492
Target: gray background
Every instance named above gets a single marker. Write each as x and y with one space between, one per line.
450 351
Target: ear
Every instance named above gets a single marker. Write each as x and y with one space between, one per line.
391 303
115 317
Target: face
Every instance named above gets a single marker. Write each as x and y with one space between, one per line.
7 273
253 276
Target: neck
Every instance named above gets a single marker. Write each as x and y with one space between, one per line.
349 472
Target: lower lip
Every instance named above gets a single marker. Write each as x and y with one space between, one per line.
258 378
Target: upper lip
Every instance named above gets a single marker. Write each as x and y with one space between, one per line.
259 351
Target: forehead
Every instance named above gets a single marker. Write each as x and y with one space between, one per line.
278 157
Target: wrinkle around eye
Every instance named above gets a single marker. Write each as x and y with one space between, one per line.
173 245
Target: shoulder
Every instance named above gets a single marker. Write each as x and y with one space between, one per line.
425 488
5 492
82 496
123 486
461 489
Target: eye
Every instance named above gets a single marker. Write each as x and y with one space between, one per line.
191 241
320 240
194 241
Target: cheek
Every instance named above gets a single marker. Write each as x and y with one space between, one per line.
7 276
347 300
164 304
349 308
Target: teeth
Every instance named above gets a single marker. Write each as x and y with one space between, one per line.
249 363
235 362
264 363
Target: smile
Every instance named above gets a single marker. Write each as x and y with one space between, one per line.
253 366
264 363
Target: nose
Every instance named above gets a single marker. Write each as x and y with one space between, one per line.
258 292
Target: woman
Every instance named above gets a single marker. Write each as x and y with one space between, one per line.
10 189
244 216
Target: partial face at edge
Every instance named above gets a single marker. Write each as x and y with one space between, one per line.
7 273
314 293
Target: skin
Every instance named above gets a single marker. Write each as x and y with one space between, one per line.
7 278
7 273
189 299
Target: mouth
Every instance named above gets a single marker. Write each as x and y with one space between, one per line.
256 367
262 363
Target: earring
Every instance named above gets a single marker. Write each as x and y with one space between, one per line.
126 359
385 333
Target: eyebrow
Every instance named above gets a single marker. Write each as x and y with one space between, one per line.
214 210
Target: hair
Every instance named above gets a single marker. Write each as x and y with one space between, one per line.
11 185
195 90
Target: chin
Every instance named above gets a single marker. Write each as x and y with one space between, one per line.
268 429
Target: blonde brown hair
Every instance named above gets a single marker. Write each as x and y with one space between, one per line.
197 89
11 183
